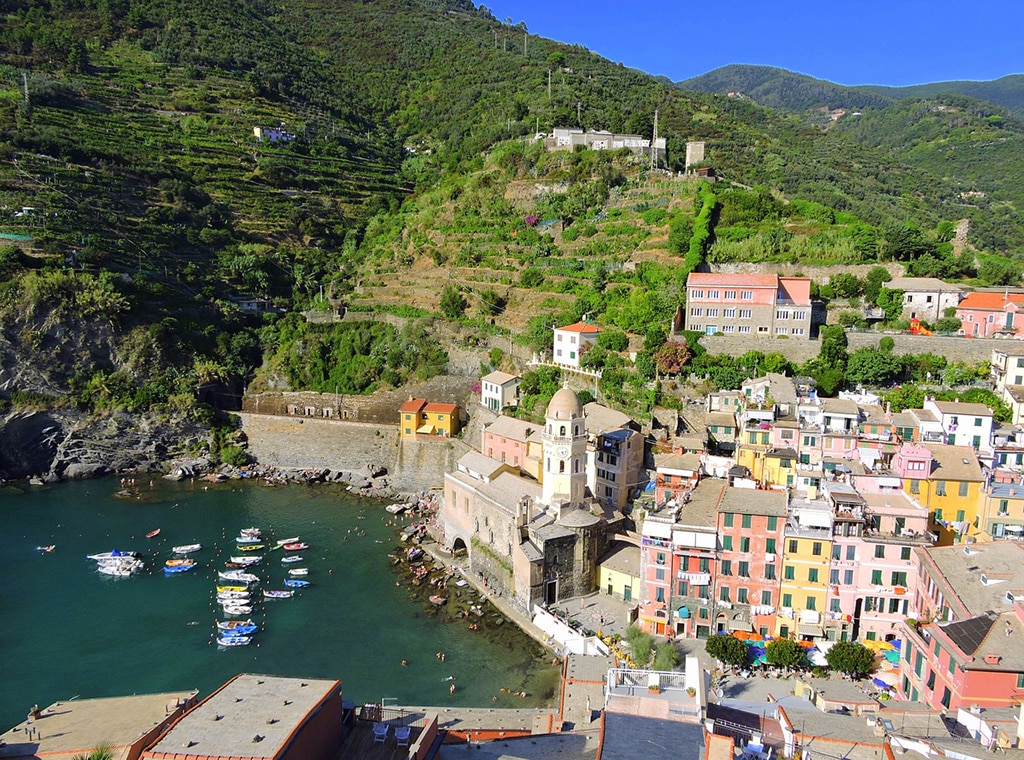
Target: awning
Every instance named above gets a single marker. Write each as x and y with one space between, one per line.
889 482
806 629
741 625
427 429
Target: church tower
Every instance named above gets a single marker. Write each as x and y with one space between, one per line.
565 450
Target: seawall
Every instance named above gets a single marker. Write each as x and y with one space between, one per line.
340 445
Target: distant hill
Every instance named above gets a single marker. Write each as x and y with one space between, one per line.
789 91
1007 91
784 90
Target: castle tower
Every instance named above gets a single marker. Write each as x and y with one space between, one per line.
565 450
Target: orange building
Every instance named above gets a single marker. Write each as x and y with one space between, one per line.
422 418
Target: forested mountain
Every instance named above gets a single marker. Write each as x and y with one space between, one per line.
791 91
141 204
785 90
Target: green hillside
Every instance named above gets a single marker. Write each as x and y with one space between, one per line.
140 200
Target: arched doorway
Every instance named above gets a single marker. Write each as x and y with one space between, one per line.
459 547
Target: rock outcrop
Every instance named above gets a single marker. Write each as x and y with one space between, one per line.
63 445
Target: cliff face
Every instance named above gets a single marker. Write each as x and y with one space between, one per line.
47 358
66 444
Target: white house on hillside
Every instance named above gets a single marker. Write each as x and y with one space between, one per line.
499 389
571 342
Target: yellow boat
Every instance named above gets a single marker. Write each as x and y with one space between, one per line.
231 588
251 547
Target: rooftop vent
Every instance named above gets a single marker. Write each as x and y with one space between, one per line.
992 659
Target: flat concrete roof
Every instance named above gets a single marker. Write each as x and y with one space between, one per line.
227 722
962 572
78 726
746 501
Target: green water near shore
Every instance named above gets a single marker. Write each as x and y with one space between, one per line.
66 630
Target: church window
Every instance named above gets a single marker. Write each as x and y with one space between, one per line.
576 466
576 430
561 430
561 466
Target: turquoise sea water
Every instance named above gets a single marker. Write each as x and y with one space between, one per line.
66 630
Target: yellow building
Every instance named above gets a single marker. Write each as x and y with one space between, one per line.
1001 514
619 572
807 552
780 467
752 444
421 418
949 486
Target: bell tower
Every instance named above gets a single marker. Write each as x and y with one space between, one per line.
565 450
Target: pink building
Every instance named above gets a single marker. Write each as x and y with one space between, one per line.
515 442
977 661
765 305
984 314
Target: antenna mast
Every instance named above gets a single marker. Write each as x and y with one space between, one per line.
654 140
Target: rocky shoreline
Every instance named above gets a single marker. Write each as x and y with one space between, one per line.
57 445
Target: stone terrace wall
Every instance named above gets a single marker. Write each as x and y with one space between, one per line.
381 408
953 348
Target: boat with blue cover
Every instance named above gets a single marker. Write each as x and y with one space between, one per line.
294 583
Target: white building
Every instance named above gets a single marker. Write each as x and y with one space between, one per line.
963 424
926 297
571 342
499 389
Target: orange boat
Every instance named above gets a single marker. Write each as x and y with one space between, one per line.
153 533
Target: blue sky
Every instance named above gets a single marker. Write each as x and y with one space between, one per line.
899 42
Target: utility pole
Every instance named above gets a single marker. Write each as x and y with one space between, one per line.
654 142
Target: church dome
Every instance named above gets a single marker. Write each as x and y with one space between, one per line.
564 405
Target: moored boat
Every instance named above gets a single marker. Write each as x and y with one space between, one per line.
232 588
251 559
242 630
234 641
46 549
295 583
248 539
273 594
186 548
227 625
295 547
298 571
284 541
112 554
251 547
292 558
120 568
437 600
237 609
237 576
153 533
396 509
179 562
242 596
175 569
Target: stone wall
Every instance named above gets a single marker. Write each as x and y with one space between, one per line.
819 274
379 408
798 351
338 445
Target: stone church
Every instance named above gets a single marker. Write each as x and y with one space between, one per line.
532 542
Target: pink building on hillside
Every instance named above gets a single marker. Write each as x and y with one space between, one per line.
985 314
515 442
763 305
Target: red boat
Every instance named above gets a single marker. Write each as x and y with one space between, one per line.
153 533
295 547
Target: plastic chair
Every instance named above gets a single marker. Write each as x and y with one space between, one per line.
380 732
402 735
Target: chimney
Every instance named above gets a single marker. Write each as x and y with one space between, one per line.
992 659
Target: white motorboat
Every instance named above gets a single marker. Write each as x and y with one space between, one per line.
186 548
237 576
298 571
291 558
246 559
